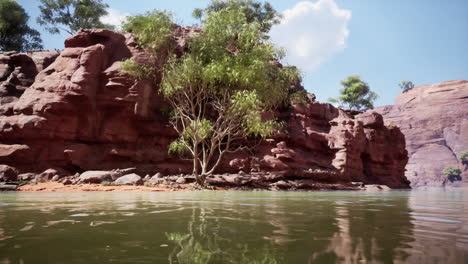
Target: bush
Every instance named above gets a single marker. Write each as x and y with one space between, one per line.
464 156
452 173
406 85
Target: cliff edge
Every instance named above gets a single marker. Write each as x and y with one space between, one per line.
434 119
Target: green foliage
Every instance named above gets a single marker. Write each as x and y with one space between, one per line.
452 173
231 54
198 129
298 97
355 95
221 88
464 156
263 14
179 147
136 70
71 15
245 107
15 34
153 30
406 85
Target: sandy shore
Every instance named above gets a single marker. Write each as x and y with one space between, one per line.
59 187
52 186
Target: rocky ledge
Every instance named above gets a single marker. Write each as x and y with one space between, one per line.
434 119
127 180
81 114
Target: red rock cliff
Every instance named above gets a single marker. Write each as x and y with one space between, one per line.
434 119
81 114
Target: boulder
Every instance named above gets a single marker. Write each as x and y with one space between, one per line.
181 180
157 175
129 179
26 176
155 180
8 173
95 176
67 182
47 175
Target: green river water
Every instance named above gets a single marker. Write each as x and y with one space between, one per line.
422 226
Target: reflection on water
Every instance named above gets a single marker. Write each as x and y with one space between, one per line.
440 222
428 226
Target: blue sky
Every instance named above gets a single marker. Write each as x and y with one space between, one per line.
384 42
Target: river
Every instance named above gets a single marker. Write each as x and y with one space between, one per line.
419 226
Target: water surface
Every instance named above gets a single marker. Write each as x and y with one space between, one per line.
235 227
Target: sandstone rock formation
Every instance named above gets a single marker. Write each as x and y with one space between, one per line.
81 113
18 71
434 119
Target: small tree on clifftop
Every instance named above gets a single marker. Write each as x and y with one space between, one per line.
263 14
71 15
355 95
406 85
220 88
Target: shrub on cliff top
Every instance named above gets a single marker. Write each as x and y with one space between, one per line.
355 95
153 30
263 14
219 89
406 85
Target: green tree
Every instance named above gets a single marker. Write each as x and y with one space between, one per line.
355 94
452 173
406 85
15 34
264 14
71 15
218 90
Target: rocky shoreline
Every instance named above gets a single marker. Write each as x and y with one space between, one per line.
52 180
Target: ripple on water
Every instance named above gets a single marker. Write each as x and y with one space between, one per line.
27 228
79 215
432 219
170 210
52 223
98 223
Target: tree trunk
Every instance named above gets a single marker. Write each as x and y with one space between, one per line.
199 178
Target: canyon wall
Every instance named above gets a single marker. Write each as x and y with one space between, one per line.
81 113
434 119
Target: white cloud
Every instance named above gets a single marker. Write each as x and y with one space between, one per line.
312 32
114 17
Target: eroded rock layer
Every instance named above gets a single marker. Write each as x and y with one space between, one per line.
82 114
18 71
434 119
